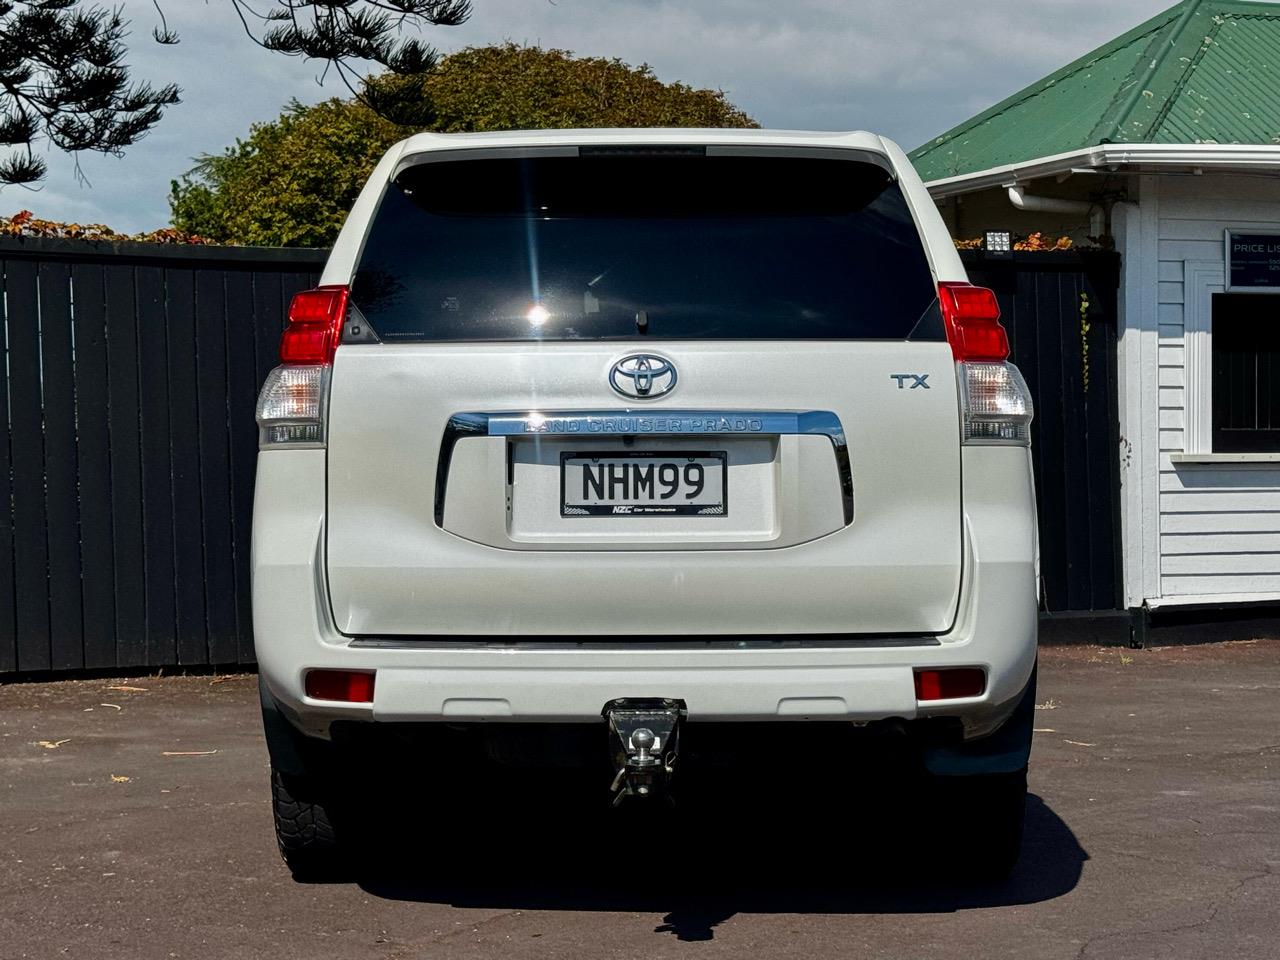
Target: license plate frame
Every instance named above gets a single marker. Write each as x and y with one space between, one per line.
662 509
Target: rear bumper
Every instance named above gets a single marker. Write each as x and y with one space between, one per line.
528 682
862 680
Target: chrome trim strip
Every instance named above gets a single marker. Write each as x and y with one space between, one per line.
623 423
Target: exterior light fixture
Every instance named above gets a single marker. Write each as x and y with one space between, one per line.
998 243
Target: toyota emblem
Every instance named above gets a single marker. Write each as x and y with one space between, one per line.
642 376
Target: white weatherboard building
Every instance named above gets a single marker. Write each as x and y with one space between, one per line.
1165 143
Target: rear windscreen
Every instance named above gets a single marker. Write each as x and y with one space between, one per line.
669 247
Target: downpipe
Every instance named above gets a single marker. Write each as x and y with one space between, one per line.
1021 200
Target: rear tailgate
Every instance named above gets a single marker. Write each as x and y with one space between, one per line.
505 561
644 396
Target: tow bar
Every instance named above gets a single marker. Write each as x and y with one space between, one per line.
644 738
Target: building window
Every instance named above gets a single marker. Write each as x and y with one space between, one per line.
1246 373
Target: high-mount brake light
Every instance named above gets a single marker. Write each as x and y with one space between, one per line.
972 319
315 325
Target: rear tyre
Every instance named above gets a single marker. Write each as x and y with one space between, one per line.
989 809
308 838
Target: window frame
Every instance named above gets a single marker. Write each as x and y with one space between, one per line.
1201 280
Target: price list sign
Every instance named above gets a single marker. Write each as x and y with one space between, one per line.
1253 261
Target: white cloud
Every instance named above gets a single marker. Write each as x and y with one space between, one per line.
906 68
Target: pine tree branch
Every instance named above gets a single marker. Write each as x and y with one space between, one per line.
64 80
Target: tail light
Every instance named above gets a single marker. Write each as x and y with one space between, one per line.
995 402
291 405
972 318
315 325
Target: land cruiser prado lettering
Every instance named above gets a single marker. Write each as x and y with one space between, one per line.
645 433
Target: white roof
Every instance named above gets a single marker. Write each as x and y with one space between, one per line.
648 136
1117 157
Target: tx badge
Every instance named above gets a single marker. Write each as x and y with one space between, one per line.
918 380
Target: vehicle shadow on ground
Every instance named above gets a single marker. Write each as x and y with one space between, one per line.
700 868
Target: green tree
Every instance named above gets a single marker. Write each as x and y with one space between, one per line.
510 87
292 180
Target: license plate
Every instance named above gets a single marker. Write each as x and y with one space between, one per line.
644 484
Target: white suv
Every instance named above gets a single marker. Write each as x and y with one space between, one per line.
644 431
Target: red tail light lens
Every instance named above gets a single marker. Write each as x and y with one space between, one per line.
346 686
950 684
972 318
315 325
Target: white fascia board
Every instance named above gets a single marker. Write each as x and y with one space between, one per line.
1011 173
1128 157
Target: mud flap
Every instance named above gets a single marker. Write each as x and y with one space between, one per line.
285 744
1004 752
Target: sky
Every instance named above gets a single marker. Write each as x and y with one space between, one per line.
907 69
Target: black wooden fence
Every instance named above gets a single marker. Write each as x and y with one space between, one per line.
1054 304
127 469
128 392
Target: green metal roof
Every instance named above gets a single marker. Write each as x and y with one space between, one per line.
1204 71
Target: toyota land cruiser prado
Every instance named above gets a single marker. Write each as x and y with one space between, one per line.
645 432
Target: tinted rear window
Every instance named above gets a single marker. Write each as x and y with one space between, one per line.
673 247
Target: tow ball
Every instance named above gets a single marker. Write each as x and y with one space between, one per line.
644 738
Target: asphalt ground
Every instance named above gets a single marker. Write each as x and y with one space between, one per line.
134 823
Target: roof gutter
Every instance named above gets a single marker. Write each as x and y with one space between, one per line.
1119 158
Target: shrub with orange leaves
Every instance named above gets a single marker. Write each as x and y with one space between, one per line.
1034 243
24 223
1038 241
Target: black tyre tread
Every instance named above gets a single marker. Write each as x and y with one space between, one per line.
305 832
993 807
